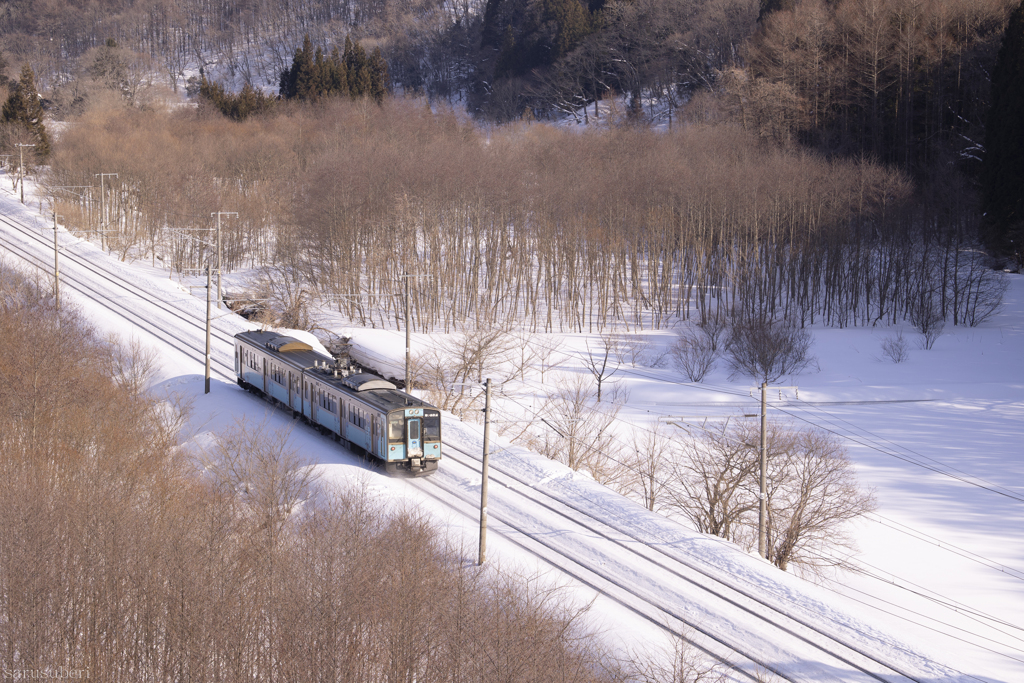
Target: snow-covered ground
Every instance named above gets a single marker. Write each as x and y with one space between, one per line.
938 438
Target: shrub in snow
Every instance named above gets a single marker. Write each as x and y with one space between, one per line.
926 316
896 348
694 354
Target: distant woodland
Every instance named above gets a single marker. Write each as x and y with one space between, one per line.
808 160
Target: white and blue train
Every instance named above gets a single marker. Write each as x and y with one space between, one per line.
363 410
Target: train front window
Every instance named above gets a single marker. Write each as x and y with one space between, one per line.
396 427
414 430
431 425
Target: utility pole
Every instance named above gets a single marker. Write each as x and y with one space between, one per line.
103 212
408 345
762 512
484 473
21 169
208 283
408 333
56 264
219 214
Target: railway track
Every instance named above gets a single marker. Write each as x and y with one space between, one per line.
684 577
184 315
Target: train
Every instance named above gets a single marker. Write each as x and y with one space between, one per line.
364 411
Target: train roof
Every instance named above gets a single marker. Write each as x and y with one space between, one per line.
370 388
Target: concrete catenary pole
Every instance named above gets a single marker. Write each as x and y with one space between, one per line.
21 169
762 512
209 283
484 472
220 296
56 266
408 338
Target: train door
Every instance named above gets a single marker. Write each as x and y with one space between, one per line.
305 396
413 428
375 431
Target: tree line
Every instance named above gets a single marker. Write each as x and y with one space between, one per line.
905 84
314 76
311 78
536 227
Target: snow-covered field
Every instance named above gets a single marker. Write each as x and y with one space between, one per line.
938 438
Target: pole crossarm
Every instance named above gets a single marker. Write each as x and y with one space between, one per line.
71 187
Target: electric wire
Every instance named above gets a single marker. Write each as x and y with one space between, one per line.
883 439
907 459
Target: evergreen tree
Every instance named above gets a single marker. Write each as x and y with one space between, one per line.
573 22
247 102
506 65
313 75
1003 170
213 93
380 80
295 82
359 80
23 108
337 75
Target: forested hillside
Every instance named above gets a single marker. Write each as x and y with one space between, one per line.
824 164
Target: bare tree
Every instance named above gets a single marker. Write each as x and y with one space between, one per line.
647 468
812 491
578 434
688 664
979 290
926 316
602 362
631 348
550 355
693 353
711 479
132 365
271 480
524 352
448 369
288 298
813 494
768 350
